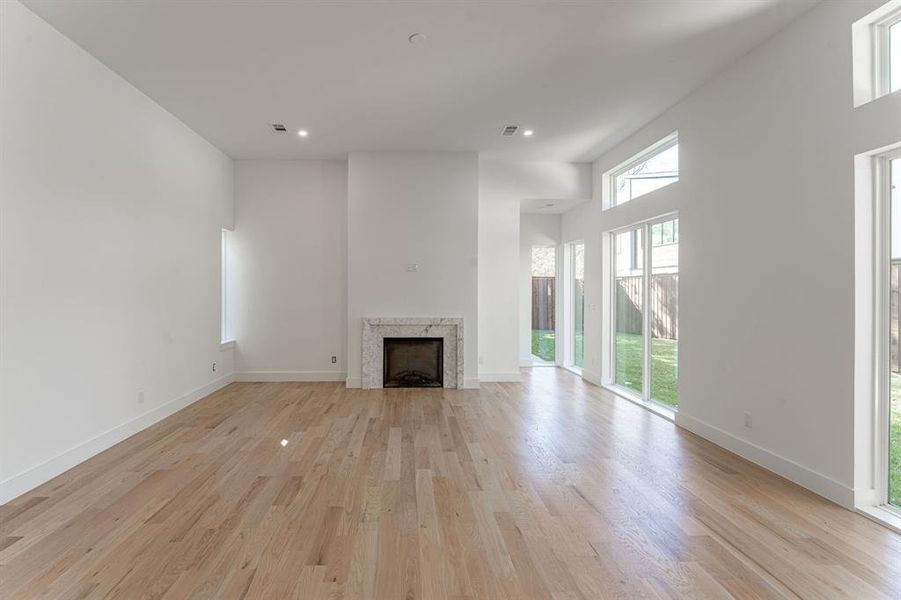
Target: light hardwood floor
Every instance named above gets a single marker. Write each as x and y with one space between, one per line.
549 489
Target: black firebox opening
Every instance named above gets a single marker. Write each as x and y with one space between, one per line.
413 362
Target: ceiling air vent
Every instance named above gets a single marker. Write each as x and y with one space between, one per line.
278 128
509 130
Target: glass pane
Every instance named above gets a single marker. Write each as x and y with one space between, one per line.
653 173
665 318
657 234
629 306
544 272
668 232
579 305
895 57
895 354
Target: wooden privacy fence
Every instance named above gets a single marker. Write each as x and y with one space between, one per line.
664 312
543 302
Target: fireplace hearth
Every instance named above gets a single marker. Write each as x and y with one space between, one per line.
413 362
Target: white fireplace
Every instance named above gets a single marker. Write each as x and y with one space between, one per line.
375 330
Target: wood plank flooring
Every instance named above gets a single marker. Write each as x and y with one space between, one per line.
549 489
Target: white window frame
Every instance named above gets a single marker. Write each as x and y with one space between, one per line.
882 83
609 184
882 339
608 375
871 53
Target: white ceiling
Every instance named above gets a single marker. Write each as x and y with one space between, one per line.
549 206
583 75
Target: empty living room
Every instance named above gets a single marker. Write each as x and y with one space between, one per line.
387 299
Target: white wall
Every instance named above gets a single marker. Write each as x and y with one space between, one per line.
581 224
767 247
412 208
109 256
535 230
290 246
503 185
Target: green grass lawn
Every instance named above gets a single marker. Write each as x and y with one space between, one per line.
895 443
543 344
664 386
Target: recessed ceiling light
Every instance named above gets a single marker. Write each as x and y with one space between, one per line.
528 133
303 133
284 443
416 38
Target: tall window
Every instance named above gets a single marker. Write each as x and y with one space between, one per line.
574 296
890 174
645 304
544 305
656 167
628 303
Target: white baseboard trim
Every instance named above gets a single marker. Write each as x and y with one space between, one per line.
525 363
31 478
501 376
286 376
816 482
471 383
591 377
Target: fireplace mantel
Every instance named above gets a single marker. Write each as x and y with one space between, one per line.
450 329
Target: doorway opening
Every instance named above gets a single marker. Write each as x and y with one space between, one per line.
544 306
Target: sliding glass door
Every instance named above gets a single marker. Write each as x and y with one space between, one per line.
644 298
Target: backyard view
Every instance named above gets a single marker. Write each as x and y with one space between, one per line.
663 366
543 344
544 296
661 285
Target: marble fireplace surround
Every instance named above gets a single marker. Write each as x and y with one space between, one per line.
450 329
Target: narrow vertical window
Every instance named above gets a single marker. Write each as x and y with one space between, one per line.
628 307
664 309
891 183
578 305
574 305
544 305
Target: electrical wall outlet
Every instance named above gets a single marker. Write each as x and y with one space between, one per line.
214 367
141 397
334 360
749 423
